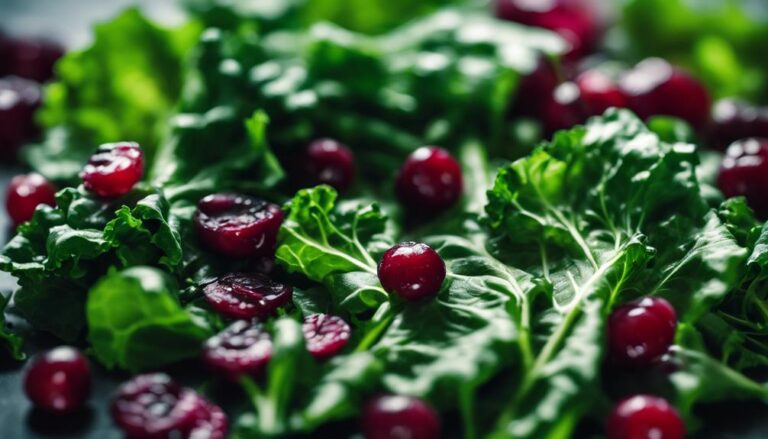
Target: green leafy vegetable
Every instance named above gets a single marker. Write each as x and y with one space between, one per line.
12 343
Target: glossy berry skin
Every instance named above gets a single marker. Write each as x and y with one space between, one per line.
734 120
563 109
644 417
25 193
599 92
429 181
330 162
244 348
744 171
153 406
394 417
29 57
654 87
58 381
325 335
19 98
238 226
642 331
412 270
246 296
534 89
114 169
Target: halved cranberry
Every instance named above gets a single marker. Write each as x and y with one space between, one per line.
599 92
59 381
412 270
736 120
19 98
245 296
644 417
563 109
211 423
395 416
153 406
641 331
25 193
114 169
30 58
655 87
534 88
326 335
244 348
429 181
237 225
330 162
744 171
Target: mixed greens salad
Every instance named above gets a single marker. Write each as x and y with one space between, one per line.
551 235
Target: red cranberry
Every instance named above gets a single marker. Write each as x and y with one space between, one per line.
563 109
326 335
598 92
30 58
429 181
412 270
330 162
114 169
238 226
211 422
25 193
534 89
243 348
245 296
395 416
744 171
644 417
59 381
735 120
655 87
641 331
153 406
19 98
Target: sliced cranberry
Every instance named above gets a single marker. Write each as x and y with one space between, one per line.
114 169
59 381
412 270
330 162
429 181
326 335
744 171
644 417
243 348
736 120
25 193
30 57
395 416
238 226
598 92
153 406
535 88
246 296
642 331
563 109
211 422
19 98
655 87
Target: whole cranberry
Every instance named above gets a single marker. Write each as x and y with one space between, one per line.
599 92
395 416
25 193
330 162
641 331
429 181
644 417
31 58
246 296
238 226
734 120
744 171
563 109
19 98
412 270
243 348
326 335
153 406
534 89
59 381
654 87
114 169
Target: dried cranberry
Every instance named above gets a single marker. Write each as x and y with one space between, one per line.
654 87
245 296
29 57
642 331
25 193
326 335
598 92
330 162
744 171
238 226
736 120
153 406
412 270
395 416
114 169
243 348
429 181
19 98
59 381
645 416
